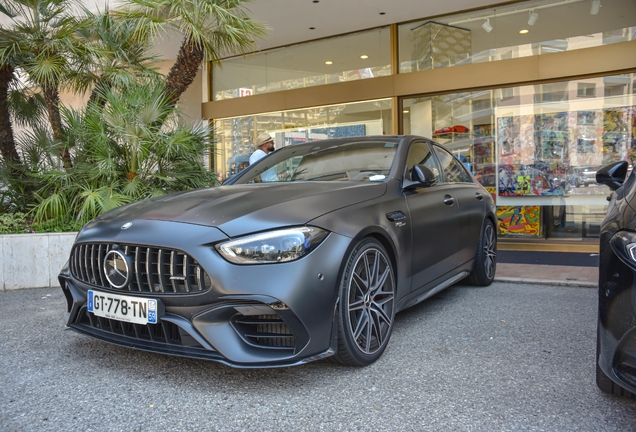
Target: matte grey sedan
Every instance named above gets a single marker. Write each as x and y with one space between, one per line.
314 262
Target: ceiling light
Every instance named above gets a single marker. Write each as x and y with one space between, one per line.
533 17
596 5
364 56
524 31
486 25
405 111
329 62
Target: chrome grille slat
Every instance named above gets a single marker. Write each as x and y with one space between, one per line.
93 264
173 272
137 266
84 263
186 274
148 270
161 263
100 267
199 278
85 254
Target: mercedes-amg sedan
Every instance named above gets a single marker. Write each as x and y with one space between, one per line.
312 263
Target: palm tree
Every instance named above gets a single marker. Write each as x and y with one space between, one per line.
7 140
211 29
42 43
121 157
117 59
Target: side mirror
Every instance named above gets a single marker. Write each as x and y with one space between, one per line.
612 175
422 176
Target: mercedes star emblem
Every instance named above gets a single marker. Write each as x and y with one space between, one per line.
116 268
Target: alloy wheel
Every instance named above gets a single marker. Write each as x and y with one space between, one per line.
371 293
490 251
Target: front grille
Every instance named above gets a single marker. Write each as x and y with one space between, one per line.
267 331
154 270
163 332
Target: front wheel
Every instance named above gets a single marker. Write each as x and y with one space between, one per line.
485 265
367 304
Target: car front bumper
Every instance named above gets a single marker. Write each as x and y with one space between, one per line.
250 316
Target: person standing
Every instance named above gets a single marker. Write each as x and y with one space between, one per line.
265 145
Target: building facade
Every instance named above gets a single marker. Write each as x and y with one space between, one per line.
533 96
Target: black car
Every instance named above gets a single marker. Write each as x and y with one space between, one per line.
315 263
616 331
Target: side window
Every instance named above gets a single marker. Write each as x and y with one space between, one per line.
453 170
420 153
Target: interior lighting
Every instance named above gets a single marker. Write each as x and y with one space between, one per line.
486 25
524 31
364 56
406 111
328 62
533 17
596 6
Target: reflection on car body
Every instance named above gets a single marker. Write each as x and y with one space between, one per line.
262 274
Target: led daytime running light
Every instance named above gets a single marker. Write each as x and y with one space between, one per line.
272 247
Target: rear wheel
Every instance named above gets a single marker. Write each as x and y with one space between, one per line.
486 258
367 305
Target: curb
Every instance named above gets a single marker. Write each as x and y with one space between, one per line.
568 283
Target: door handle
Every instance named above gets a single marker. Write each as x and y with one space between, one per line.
479 196
449 200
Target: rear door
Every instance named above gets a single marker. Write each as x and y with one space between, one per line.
434 219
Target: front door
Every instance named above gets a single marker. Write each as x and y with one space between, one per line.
434 219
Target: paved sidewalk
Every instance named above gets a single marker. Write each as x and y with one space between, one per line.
548 274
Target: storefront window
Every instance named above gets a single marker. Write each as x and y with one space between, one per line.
537 148
235 136
516 30
345 58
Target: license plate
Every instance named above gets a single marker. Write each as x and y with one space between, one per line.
123 308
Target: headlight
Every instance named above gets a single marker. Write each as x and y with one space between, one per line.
273 247
624 245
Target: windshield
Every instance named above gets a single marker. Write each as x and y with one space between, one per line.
355 161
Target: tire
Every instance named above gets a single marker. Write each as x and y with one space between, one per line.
485 265
603 381
367 305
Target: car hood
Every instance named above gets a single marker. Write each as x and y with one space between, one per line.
241 209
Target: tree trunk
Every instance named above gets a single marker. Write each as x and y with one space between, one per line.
184 71
7 140
52 100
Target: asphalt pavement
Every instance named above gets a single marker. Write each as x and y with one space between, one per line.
507 357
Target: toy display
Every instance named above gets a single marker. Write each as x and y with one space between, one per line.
519 220
542 154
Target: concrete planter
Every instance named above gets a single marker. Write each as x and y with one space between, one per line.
33 260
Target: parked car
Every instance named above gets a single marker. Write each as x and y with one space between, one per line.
266 274
616 330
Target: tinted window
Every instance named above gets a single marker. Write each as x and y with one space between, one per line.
420 153
453 170
355 161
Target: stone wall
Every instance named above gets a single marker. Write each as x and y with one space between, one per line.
33 260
